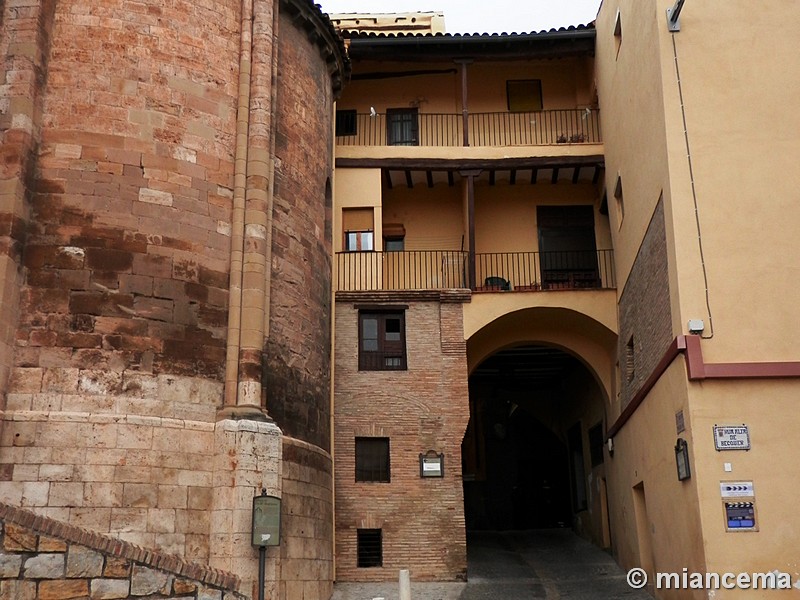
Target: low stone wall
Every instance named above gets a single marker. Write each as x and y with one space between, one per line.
45 559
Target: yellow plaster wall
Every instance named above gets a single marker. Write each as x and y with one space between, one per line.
644 454
565 85
432 217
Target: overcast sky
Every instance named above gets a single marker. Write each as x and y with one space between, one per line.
483 16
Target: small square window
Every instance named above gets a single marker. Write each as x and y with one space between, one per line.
370 547
382 341
372 460
346 123
524 95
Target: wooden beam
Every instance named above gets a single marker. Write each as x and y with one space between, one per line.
554 178
596 177
469 164
387 178
534 175
451 180
491 177
513 176
576 174
409 179
429 177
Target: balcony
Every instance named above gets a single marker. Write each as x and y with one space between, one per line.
410 128
493 272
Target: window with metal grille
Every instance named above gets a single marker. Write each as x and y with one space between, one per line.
370 548
372 459
382 341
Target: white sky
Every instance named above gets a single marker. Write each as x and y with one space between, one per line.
483 16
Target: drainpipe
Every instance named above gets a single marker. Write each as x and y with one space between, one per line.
238 210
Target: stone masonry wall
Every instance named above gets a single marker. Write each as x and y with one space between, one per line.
298 348
644 310
421 409
120 343
44 559
307 522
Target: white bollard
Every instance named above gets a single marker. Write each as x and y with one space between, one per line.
405 585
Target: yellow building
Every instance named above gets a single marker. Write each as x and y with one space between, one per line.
614 365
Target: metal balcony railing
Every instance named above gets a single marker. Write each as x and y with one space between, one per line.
497 271
411 270
540 128
532 271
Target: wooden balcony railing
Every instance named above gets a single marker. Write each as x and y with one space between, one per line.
540 128
495 272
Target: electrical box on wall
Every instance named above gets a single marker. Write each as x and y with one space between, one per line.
739 506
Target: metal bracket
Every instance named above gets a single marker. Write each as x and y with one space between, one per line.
673 16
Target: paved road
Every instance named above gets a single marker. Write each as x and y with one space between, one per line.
553 564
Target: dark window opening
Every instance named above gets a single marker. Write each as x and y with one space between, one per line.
382 341
524 95
346 123
372 460
630 364
370 548
402 126
567 247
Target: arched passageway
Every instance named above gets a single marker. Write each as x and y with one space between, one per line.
533 451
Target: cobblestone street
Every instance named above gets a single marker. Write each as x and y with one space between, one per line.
526 565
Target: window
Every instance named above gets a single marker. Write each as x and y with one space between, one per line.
567 246
372 459
358 241
359 229
524 95
370 547
346 123
382 341
401 126
394 235
630 361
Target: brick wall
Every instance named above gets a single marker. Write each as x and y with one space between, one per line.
44 559
644 309
421 409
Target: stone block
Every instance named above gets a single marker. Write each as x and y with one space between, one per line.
146 581
44 566
18 539
63 589
17 590
109 589
161 520
66 494
140 495
51 544
117 567
35 493
83 562
10 565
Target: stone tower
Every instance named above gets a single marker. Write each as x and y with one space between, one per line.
165 243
